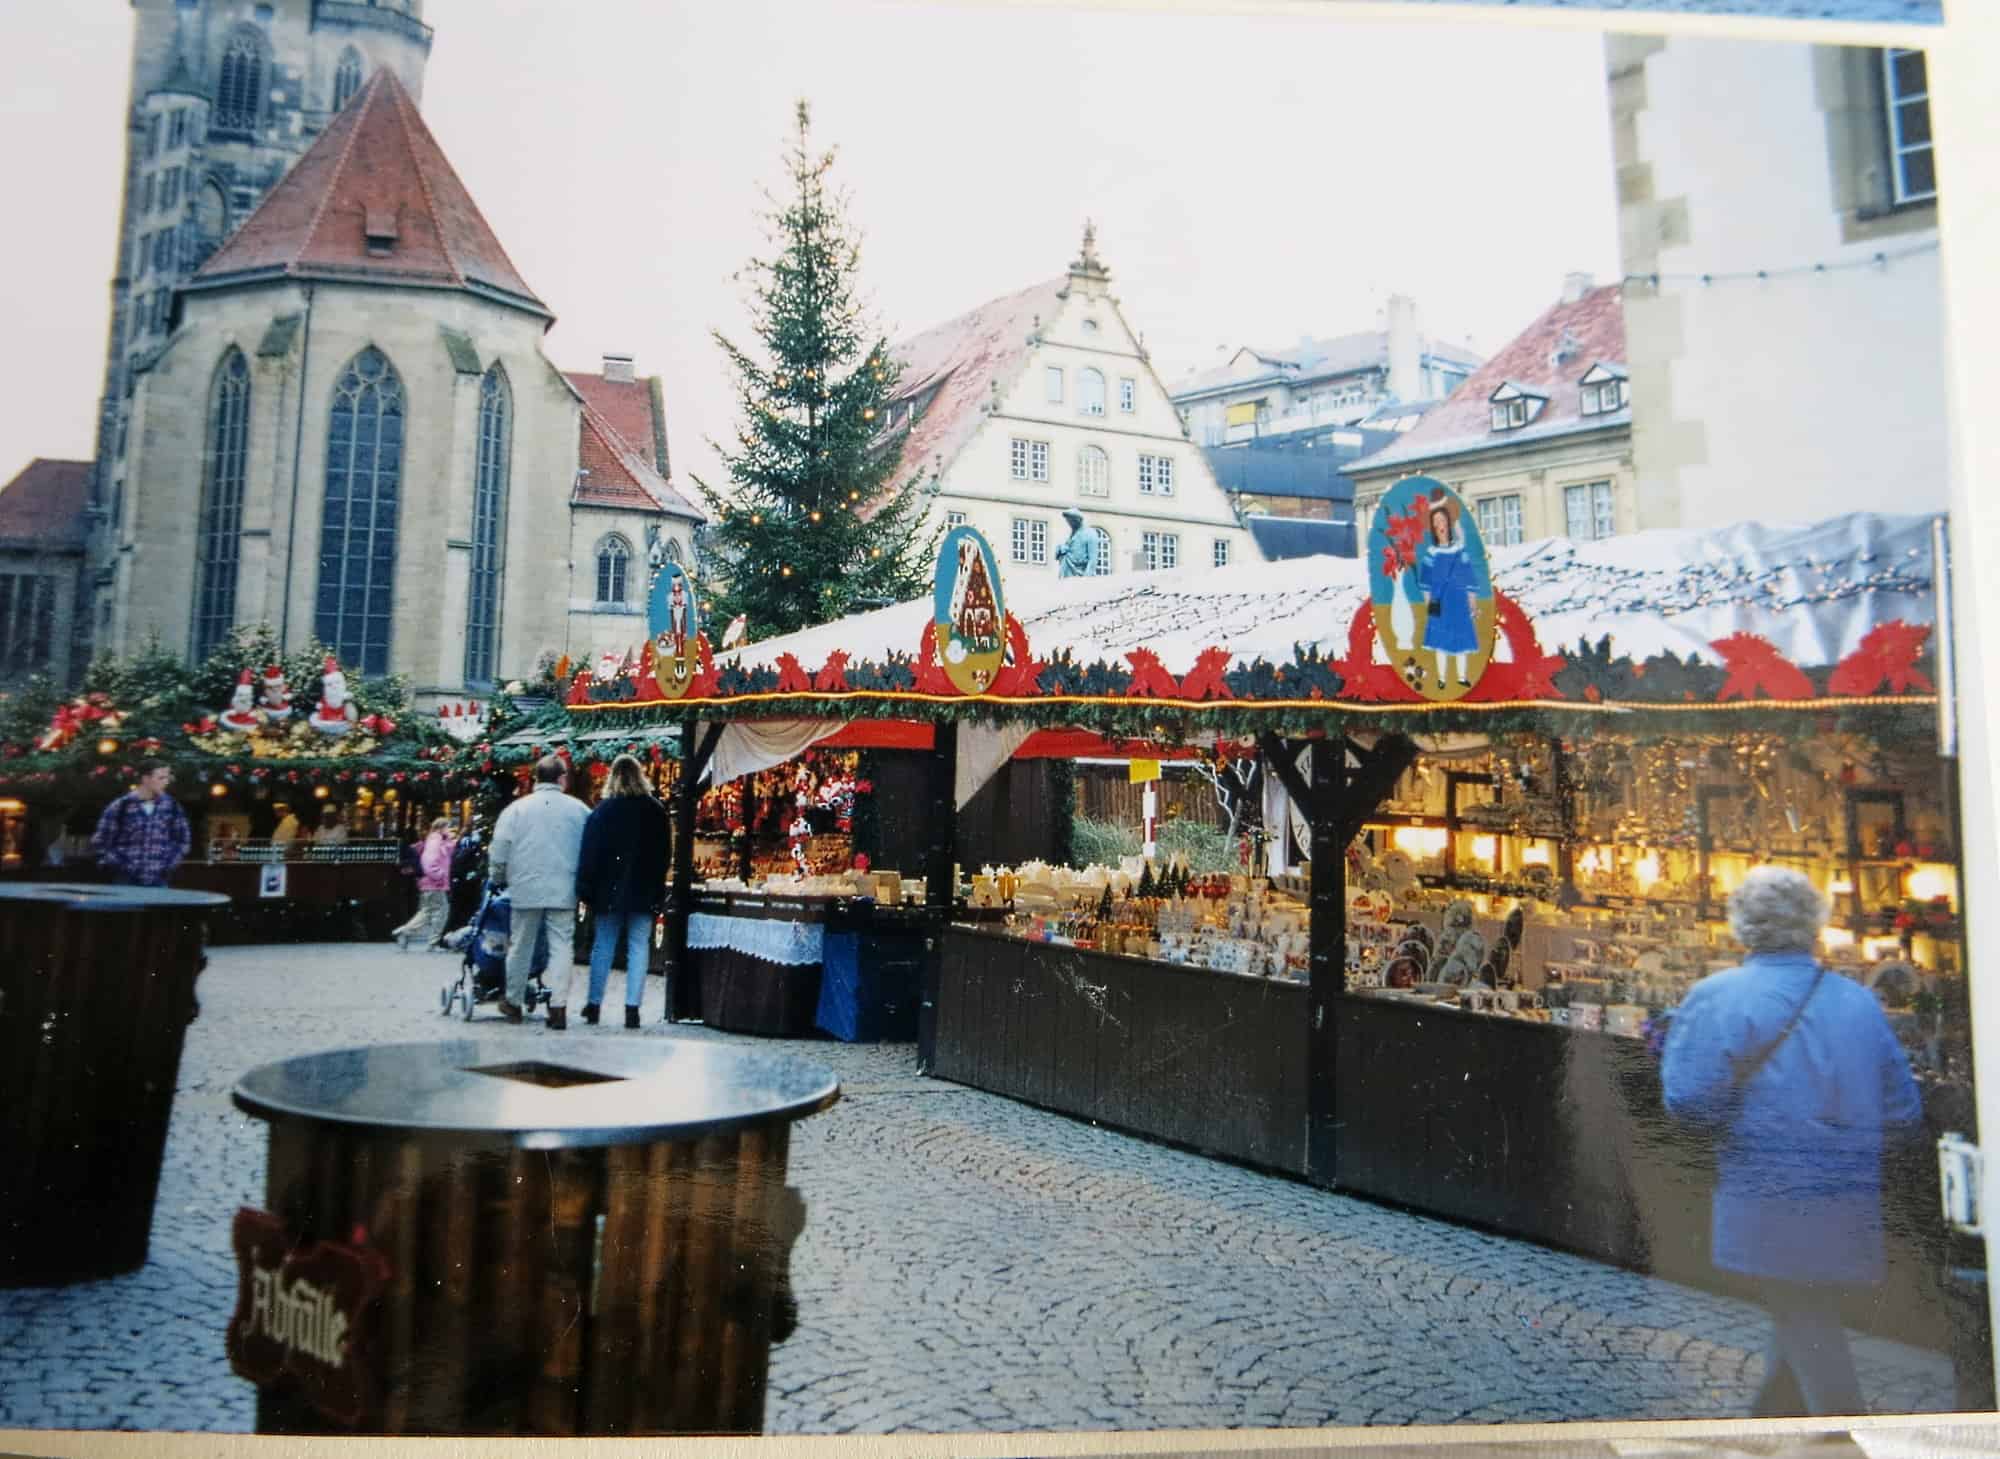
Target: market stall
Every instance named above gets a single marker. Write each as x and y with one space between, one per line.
301 788
1522 832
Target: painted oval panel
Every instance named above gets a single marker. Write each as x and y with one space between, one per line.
1431 588
673 623
968 615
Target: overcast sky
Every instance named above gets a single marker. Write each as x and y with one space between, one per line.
1253 179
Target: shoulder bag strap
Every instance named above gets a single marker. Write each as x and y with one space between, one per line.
1763 1056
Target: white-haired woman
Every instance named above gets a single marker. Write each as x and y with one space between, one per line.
1800 1077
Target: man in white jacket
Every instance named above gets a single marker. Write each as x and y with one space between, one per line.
534 854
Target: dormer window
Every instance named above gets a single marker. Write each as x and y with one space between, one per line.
1515 406
1605 389
378 228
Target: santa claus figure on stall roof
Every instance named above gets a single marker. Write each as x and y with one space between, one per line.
241 716
336 712
276 697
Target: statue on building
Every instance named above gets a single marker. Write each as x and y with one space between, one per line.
336 712
1077 557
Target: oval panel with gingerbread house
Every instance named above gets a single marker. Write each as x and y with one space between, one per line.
969 618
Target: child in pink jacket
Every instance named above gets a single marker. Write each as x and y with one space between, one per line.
433 888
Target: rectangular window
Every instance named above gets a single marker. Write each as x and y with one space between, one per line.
1128 394
163 251
1028 460
1054 376
146 194
1030 540
1162 550
1913 168
27 622
1156 475
172 188
1608 396
1587 512
1499 519
152 138
1222 552
954 519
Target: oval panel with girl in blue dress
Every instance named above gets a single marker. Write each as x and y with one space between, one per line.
1431 588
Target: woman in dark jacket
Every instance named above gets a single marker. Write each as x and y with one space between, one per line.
620 873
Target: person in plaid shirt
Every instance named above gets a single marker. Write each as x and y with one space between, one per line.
142 835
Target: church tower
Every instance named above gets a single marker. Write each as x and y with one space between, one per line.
225 96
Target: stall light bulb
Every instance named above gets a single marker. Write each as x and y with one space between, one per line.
1484 848
1929 881
1646 870
1535 854
1841 887
1834 939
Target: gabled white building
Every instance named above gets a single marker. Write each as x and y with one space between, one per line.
1044 401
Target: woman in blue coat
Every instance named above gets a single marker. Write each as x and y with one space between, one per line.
1800 1078
1450 582
621 873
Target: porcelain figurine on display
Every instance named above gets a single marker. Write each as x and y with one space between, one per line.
336 712
275 699
241 716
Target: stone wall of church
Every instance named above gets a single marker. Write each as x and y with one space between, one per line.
288 461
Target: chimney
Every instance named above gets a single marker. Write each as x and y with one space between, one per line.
1405 362
1575 286
618 369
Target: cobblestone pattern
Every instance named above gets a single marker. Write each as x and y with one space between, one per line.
1905 12
968 1263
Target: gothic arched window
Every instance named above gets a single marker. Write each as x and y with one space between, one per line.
218 527
489 515
357 538
674 552
1100 565
614 554
239 89
346 77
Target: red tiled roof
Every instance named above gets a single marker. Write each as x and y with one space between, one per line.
1595 326
376 169
44 505
628 406
962 358
617 475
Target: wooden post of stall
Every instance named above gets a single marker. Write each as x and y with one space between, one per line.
1566 895
940 878
1326 931
683 993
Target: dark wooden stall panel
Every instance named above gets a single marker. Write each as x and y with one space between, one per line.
1011 820
1558 1136
1214 1061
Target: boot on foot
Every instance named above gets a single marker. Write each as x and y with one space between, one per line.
590 1011
558 1018
631 1015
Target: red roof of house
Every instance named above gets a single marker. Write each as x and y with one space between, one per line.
628 406
1548 358
374 200
962 359
616 474
45 504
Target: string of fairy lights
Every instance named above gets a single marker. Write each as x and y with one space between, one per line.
1879 260
1552 579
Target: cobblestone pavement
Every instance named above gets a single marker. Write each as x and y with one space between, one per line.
968 1264
1906 12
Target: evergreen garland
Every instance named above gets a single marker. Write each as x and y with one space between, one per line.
809 529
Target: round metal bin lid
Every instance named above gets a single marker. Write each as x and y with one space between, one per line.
588 1093
105 897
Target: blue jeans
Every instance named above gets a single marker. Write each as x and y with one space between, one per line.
637 928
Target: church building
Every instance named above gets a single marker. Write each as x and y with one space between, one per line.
350 431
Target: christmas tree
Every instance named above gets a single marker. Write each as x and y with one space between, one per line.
810 526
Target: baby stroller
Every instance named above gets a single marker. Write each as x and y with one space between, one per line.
482 975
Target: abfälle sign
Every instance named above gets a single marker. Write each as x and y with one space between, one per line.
305 1316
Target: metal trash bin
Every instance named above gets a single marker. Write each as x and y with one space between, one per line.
96 993
461 1238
